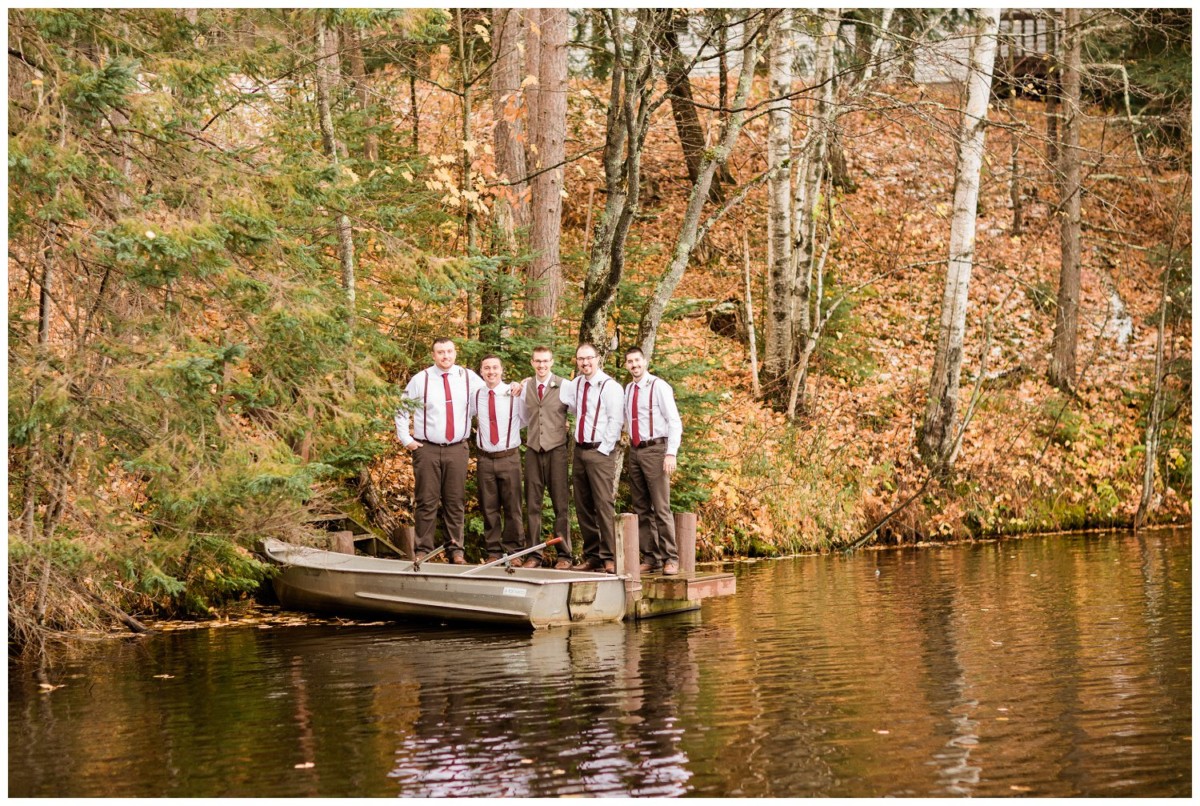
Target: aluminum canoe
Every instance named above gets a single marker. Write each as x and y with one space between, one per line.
324 581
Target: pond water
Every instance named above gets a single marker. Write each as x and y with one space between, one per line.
1053 665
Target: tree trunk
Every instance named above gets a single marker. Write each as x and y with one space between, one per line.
326 73
937 435
511 210
751 337
683 106
1053 85
874 63
508 136
358 72
1066 313
809 174
544 282
690 230
470 224
625 132
1154 418
780 271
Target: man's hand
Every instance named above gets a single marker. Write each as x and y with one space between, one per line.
412 446
515 388
668 464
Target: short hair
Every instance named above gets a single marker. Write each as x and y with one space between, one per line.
633 350
442 340
489 357
583 344
541 348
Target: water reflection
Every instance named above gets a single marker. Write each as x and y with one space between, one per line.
1057 666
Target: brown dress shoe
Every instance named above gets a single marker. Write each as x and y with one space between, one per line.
420 555
610 567
670 568
587 564
563 564
532 562
491 558
648 568
457 558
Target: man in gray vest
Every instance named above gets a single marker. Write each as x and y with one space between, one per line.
546 456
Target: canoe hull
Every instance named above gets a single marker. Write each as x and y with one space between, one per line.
323 581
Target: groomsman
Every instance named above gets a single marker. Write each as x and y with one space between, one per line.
655 431
595 400
546 456
499 415
433 427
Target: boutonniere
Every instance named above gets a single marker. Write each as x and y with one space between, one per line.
553 384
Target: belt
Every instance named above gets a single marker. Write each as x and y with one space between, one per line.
646 443
588 446
497 454
446 444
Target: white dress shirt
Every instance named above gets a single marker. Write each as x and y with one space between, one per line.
605 409
658 416
510 418
428 418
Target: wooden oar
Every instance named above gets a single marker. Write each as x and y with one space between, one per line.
429 556
514 555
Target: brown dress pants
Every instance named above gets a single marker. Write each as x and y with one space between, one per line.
440 473
548 469
650 490
592 478
499 481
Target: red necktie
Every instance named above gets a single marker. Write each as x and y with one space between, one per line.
541 390
449 408
587 387
637 439
492 417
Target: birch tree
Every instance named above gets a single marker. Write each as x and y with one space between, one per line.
780 274
810 172
937 439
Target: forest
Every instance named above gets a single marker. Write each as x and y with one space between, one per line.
915 275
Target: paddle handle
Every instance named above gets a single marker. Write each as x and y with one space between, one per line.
552 541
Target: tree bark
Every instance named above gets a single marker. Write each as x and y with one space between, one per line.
358 73
628 122
937 435
509 134
683 107
809 174
470 223
1053 85
1066 313
780 270
544 281
510 213
686 241
326 73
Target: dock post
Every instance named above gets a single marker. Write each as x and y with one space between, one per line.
685 542
627 560
629 550
408 540
343 542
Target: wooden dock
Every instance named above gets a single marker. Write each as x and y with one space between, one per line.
658 595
